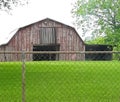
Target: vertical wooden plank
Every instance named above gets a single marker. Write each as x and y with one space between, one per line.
32 35
31 43
27 43
62 43
67 42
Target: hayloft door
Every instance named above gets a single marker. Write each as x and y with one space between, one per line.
47 35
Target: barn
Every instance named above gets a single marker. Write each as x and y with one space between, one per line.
44 35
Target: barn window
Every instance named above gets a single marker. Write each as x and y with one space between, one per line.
40 57
47 35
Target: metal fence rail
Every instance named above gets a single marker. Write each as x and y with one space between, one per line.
59 76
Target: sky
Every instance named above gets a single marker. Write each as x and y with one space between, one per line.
36 10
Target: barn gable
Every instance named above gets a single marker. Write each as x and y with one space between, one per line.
46 35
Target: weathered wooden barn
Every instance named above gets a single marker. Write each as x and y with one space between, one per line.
44 35
98 56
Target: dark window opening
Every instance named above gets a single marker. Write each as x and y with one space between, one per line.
98 56
47 57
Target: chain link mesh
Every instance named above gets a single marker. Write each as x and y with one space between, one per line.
10 81
52 80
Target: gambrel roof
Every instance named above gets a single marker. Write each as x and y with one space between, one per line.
46 19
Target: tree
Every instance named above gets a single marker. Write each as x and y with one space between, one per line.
98 40
8 5
105 16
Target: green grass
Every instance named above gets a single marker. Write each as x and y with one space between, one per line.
74 81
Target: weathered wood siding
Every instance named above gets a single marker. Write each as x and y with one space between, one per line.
43 32
47 35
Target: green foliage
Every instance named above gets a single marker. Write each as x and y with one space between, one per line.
107 13
99 40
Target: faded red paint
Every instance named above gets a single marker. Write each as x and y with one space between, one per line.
28 36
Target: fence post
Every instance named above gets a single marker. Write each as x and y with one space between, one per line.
23 76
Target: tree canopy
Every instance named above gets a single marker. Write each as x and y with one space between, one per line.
8 5
104 15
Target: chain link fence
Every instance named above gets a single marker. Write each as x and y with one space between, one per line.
72 76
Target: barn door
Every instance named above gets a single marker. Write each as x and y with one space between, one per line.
47 35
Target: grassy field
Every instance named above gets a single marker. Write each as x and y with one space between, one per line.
85 81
